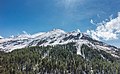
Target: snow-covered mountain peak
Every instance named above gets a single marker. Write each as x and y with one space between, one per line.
54 37
52 34
57 31
24 35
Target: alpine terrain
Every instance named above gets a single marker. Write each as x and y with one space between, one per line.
57 52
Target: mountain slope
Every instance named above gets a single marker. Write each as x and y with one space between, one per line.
58 59
57 52
56 37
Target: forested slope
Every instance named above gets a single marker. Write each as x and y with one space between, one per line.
59 59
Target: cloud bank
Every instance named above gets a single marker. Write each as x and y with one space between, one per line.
107 30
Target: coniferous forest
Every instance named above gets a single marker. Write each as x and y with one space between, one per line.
59 59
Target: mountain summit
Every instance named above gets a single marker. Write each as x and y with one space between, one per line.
56 37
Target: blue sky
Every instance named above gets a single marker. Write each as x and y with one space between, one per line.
43 15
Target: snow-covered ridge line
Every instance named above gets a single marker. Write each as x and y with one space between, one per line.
23 40
54 37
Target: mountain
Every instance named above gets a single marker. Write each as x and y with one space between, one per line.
56 37
57 52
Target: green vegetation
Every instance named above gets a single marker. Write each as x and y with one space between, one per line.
59 59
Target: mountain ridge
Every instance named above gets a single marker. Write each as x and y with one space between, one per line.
55 37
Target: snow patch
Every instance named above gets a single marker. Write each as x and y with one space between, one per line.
79 45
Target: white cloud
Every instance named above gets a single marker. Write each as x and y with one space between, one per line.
92 22
69 4
1 37
109 30
98 15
